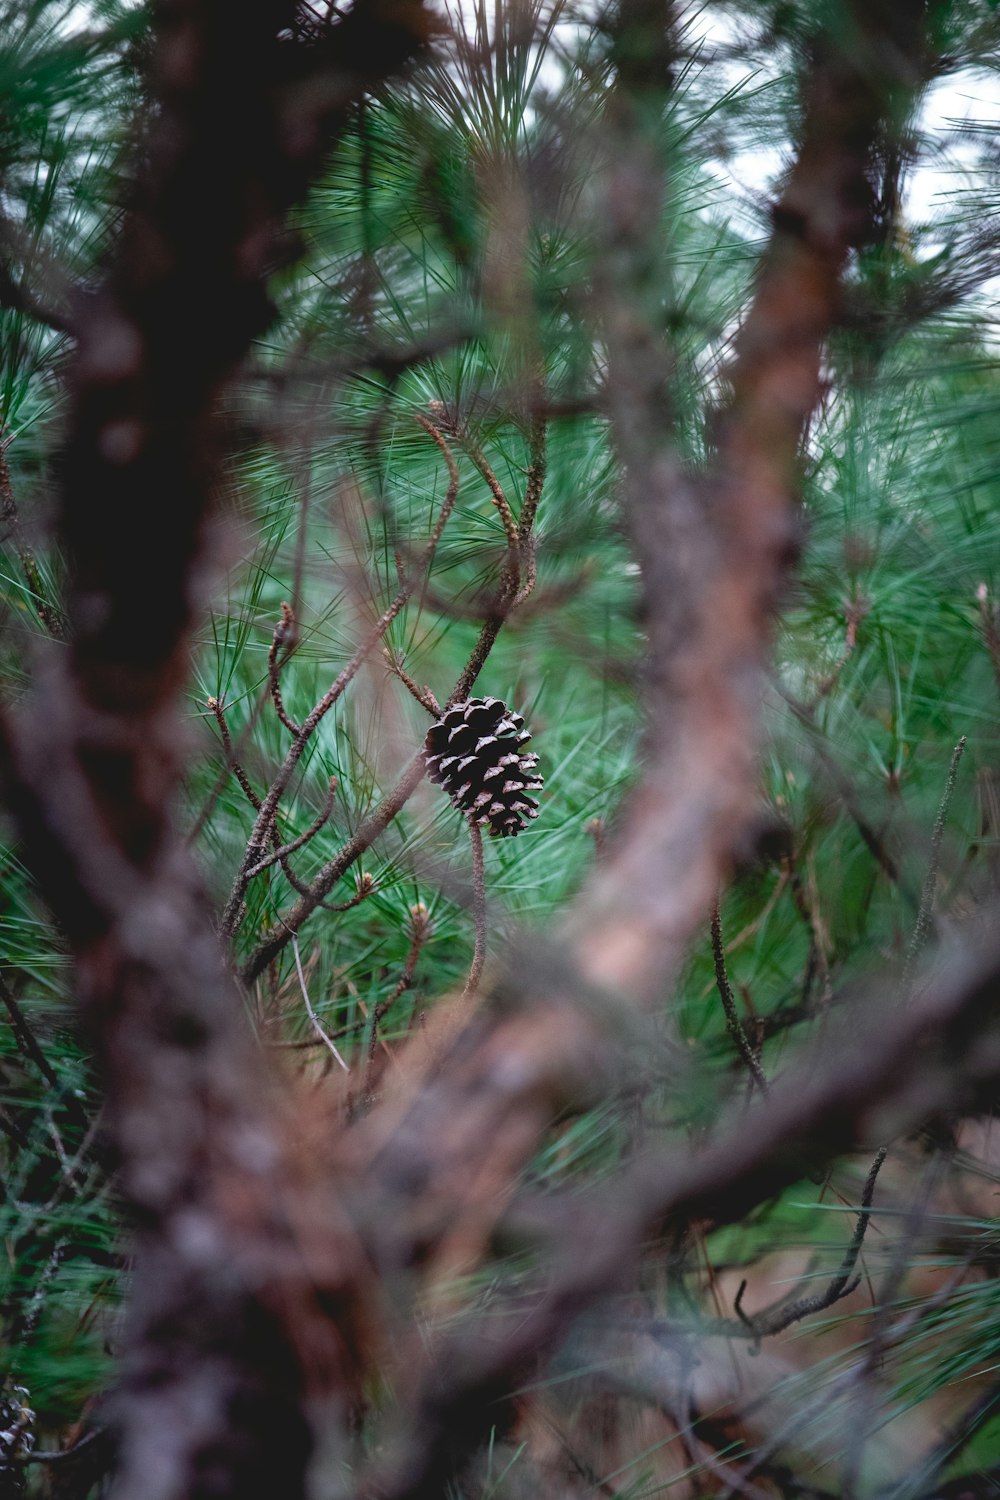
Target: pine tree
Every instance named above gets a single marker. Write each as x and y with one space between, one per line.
490 369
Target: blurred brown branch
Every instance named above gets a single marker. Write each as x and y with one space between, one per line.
227 1335
713 550
265 1250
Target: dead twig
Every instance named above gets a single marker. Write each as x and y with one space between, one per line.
420 930
775 1320
24 1036
283 644
423 695
733 1023
320 821
316 1024
529 507
233 764
368 830
501 502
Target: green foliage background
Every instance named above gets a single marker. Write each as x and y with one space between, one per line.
458 218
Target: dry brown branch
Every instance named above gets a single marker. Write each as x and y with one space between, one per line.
870 1080
499 500
775 1320
733 1023
536 476
218 709
423 695
283 642
532 495
320 821
713 550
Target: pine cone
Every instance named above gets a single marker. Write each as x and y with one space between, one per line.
474 752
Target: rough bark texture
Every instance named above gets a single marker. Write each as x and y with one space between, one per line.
231 1349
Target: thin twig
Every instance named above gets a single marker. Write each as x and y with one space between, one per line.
286 849
499 500
733 1023
368 830
536 476
423 695
483 647
529 556
24 1037
40 1456
532 496
776 1319
286 636
838 1385
227 745
478 910
317 1027
865 1390
420 929
366 884
764 1324
423 566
